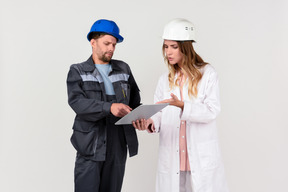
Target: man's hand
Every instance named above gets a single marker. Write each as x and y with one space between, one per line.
140 124
173 101
144 124
120 109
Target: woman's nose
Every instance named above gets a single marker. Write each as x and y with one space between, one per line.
168 52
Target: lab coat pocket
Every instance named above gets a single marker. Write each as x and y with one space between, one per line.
208 154
163 162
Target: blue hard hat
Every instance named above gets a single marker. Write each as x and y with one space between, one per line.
106 26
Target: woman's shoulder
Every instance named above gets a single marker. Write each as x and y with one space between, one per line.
164 76
208 69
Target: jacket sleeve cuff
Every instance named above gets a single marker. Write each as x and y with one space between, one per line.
107 108
187 109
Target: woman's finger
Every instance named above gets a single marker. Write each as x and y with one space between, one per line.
174 96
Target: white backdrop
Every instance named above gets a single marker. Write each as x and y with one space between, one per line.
244 40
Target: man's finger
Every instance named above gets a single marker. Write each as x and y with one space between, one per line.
125 110
142 124
134 125
129 108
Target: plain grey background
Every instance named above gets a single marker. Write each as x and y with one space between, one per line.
245 41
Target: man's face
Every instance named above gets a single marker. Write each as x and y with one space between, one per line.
103 49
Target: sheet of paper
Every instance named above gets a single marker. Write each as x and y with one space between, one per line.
141 112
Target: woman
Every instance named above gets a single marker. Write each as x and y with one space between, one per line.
189 155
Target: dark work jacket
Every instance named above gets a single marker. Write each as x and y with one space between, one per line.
86 96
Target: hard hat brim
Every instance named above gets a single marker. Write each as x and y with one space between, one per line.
118 37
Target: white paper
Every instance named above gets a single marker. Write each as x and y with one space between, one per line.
141 112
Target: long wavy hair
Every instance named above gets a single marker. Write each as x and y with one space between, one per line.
191 65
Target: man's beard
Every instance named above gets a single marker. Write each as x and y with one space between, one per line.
105 59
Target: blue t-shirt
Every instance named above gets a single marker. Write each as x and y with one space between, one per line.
104 70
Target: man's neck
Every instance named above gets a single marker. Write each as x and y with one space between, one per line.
98 61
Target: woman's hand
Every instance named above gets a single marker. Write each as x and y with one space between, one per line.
173 101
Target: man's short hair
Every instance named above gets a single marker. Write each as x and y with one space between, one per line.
97 35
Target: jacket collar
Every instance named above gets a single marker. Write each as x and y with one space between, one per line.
90 66
114 65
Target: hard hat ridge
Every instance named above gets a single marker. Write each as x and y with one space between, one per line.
179 30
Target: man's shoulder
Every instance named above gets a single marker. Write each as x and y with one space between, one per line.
83 66
77 65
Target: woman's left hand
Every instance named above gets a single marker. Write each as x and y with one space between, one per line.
173 101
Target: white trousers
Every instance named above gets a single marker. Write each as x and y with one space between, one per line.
185 181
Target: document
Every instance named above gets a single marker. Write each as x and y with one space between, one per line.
141 112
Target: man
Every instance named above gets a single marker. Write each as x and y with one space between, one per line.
100 91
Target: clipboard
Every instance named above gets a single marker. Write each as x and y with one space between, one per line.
141 112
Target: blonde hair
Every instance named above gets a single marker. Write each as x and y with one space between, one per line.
191 65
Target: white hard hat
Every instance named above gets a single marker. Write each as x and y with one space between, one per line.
179 30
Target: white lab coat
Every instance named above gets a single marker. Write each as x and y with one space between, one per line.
207 171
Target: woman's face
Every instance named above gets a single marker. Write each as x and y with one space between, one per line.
172 52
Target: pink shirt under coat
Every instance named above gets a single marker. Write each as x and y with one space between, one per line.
184 161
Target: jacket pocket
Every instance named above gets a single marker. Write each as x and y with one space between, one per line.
208 154
92 90
84 138
125 91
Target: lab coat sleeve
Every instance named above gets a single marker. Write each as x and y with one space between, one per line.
207 109
158 96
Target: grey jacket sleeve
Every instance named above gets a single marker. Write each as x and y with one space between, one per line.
86 108
135 93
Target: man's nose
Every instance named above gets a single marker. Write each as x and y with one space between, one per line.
111 48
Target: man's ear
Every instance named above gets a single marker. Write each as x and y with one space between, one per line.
92 42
